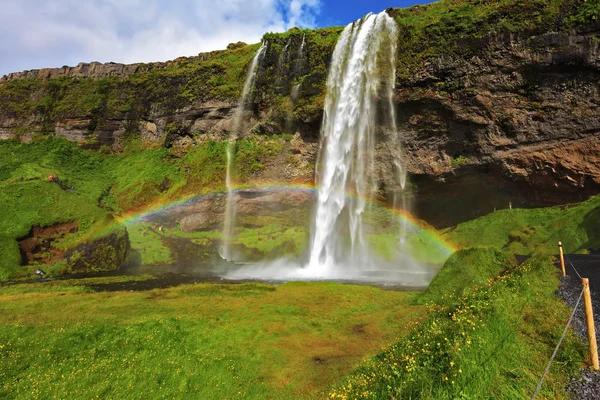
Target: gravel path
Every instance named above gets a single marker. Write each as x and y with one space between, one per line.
588 385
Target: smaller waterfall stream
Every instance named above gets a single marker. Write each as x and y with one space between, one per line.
237 127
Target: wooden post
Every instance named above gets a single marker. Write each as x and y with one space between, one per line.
562 258
589 318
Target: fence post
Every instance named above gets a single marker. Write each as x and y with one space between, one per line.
589 318
562 258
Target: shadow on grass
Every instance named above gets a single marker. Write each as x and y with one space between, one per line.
591 225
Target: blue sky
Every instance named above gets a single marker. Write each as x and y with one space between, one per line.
52 33
340 12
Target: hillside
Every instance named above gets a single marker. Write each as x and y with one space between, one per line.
502 90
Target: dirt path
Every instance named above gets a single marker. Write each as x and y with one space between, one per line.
586 266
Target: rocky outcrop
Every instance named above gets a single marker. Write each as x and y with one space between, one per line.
104 254
525 109
255 208
94 70
38 246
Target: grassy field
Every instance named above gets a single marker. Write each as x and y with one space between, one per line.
60 340
486 340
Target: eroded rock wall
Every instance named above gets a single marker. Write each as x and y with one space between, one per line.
521 111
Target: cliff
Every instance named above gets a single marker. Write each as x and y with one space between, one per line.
497 100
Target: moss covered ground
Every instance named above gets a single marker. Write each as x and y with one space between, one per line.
538 230
206 341
104 185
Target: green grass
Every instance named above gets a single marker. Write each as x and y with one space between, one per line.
524 231
106 184
274 241
194 341
32 203
464 270
492 341
421 245
148 243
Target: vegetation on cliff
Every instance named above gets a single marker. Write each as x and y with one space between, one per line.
296 57
104 185
457 27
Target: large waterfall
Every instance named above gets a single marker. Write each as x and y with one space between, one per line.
237 127
359 108
362 71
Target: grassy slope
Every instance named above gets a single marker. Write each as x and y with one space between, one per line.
28 199
196 341
524 231
474 345
103 184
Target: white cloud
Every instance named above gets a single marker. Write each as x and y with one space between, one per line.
46 33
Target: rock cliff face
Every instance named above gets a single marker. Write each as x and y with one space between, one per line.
519 110
525 108
102 254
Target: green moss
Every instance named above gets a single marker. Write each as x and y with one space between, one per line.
273 241
465 270
147 242
459 161
524 231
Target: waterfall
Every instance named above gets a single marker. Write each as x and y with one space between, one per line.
283 56
302 45
362 72
237 127
359 106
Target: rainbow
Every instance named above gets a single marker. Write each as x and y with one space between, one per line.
411 221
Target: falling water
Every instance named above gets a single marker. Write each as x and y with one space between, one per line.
283 58
302 45
289 120
359 98
361 67
230 209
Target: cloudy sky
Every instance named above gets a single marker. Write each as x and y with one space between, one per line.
52 33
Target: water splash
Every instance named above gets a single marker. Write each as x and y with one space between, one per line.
289 120
295 92
237 128
282 60
362 65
